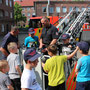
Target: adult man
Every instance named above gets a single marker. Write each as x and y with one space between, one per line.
49 33
49 36
31 40
9 37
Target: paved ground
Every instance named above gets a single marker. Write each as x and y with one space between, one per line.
0 43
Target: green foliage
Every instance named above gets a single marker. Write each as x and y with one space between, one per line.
27 26
18 13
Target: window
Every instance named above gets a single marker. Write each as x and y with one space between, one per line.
2 28
23 14
7 2
33 14
70 8
28 14
57 9
28 9
10 3
32 8
77 8
44 9
64 9
23 9
28 19
1 13
51 10
82 8
6 13
0 1
89 8
11 15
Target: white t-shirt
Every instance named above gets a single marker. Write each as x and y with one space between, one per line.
28 80
13 61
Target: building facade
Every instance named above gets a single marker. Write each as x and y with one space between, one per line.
27 8
6 16
59 7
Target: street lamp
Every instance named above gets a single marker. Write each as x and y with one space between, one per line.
48 8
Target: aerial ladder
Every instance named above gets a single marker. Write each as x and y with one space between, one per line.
74 29
71 24
67 20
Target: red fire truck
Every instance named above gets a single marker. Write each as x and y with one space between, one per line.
35 23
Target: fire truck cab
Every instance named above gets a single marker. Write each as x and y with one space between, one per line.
86 32
35 22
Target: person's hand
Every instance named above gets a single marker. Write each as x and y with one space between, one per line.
70 46
43 64
77 48
41 45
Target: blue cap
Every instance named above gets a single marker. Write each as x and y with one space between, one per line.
65 36
31 54
31 30
84 46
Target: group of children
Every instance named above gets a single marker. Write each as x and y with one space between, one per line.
54 66
11 67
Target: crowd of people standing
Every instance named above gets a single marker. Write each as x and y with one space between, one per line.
15 79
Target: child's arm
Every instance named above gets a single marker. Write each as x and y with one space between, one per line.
24 89
76 71
43 64
18 70
43 67
72 54
79 64
10 87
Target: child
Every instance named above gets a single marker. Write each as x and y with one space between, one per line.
55 68
31 40
67 47
28 79
14 62
5 83
83 67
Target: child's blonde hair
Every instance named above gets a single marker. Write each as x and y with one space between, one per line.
3 64
11 46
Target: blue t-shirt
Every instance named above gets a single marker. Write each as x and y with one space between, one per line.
83 67
29 41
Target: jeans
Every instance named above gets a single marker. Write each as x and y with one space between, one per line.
83 85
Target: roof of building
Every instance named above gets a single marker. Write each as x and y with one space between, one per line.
25 2
31 2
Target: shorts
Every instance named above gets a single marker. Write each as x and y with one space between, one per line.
16 83
83 85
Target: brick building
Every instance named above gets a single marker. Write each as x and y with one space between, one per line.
27 8
59 7
56 7
6 16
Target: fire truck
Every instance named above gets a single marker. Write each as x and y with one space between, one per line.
35 22
86 32
77 25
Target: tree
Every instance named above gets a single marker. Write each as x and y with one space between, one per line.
18 14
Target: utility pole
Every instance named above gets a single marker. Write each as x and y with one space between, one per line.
48 8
